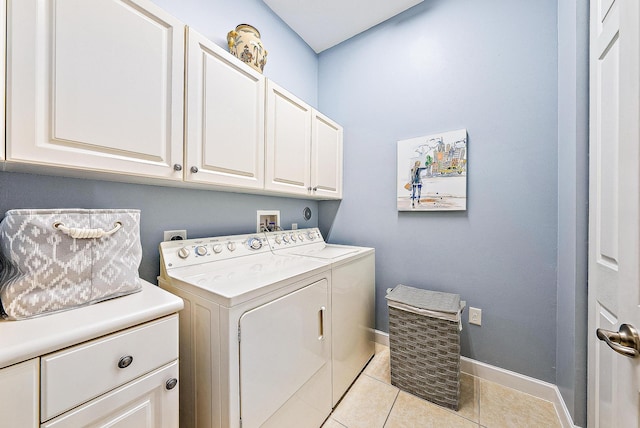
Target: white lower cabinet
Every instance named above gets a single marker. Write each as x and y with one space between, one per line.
19 394
127 379
144 402
83 372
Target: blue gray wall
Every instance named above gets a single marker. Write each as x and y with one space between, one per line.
573 130
201 212
510 71
291 63
490 67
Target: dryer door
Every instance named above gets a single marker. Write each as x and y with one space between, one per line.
285 360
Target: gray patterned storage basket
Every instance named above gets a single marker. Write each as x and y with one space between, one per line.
424 339
53 260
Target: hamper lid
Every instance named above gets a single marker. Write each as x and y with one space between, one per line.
436 301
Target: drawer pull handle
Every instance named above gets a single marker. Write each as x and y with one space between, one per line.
125 361
171 383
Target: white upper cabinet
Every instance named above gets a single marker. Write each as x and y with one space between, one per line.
95 85
326 157
109 88
304 148
288 148
224 117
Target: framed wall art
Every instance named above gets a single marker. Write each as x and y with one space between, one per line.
432 172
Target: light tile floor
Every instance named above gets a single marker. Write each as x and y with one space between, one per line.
372 402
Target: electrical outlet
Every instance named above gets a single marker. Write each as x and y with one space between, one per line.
294 226
174 235
475 316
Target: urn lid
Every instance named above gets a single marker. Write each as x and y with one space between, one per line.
247 27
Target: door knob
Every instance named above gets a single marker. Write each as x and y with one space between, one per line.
626 341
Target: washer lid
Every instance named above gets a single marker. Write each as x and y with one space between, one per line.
230 282
327 252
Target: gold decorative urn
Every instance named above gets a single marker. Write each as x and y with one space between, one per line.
244 42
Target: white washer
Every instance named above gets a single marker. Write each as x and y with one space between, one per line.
352 299
255 340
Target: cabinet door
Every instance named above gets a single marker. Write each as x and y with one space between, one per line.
149 345
288 145
285 360
19 394
326 157
225 117
144 402
95 85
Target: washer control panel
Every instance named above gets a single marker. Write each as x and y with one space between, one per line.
203 250
293 238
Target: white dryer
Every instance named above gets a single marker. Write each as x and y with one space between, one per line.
255 342
352 299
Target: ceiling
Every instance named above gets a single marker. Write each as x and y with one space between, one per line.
325 23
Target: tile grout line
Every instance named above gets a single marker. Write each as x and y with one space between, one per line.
391 408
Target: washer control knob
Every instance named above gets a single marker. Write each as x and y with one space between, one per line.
231 246
293 237
311 235
217 248
183 252
300 237
278 240
254 243
285 238
201 250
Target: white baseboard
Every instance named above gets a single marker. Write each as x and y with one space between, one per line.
537 388
382 338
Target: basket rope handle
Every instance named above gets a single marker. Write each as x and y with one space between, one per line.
79 233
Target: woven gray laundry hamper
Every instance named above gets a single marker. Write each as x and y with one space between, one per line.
424 340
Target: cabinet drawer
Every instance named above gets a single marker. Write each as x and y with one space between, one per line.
78 374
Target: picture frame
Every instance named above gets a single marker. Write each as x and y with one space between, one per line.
432 172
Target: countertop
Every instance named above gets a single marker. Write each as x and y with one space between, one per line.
25 339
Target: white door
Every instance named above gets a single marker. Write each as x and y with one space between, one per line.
95 85
614 215
288 145
326 157
285 361
3 45
224 117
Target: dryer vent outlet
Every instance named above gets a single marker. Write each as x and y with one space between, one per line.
174 235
